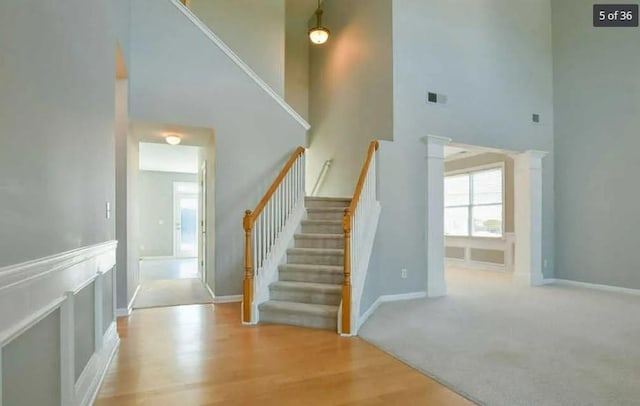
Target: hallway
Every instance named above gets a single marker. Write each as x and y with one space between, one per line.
202 355
170 282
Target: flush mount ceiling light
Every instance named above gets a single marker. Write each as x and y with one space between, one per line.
173 139
319 34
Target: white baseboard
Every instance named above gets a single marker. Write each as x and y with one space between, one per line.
206 285
227 299
120 312
607 288
384 299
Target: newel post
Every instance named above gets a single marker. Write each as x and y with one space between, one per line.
247 289
346 286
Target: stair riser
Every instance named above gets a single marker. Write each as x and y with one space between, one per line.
303 320
315 277
322 228
325 203
330 243
297 296
329 259
325 215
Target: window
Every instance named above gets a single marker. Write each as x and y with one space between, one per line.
473 204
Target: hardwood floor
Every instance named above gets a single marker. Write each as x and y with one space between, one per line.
202 355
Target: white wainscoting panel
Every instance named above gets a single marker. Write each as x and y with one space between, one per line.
32 290
506 244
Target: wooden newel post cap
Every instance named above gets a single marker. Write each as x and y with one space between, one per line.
346 221
246 223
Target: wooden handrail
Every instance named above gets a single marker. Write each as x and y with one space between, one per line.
274 186
373 147
346 224
247 223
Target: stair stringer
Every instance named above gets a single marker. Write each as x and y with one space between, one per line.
268 273
359 276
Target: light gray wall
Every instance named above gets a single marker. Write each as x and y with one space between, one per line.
31 365
56 127
493 61
597 106
351 96
84 325
255 30
155 207
488 158
254 134
296 55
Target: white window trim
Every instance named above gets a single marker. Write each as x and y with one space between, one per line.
469 171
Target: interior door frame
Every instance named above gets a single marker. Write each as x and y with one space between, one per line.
202 250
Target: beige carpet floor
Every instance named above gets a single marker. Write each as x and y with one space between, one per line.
499 344
159 293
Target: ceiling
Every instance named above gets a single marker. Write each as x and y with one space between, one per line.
168 158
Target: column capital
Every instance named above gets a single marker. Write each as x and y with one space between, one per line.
435 146
531 159
435 140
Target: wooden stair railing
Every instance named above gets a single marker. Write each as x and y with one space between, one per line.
363 199
263 225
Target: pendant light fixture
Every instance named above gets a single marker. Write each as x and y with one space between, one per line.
319 34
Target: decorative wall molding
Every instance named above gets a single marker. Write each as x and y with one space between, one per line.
241 64
88 384
384 299
35 289
0 377
15 274
506 244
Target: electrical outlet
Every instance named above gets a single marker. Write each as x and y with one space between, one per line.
545 263
107 207
403 273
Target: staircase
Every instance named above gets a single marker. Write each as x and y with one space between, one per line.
309 286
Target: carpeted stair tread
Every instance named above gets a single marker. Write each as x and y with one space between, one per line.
311 268
327 199
331 222
315 251
307 287
319 236
339 210
300 308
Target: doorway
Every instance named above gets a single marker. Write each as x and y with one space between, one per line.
171 220
469 204
185 218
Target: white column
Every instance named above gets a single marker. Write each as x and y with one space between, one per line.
67 353
528 217
436 284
